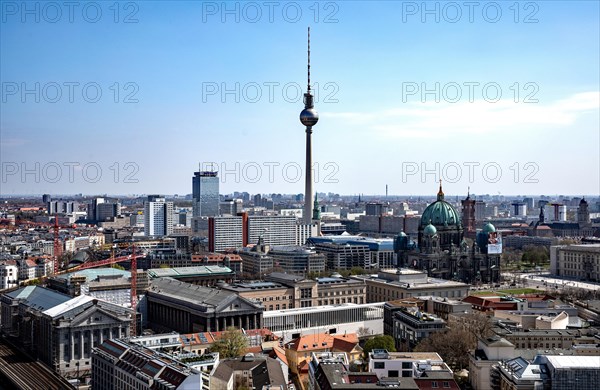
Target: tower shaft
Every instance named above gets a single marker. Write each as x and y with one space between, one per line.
309 117
308 190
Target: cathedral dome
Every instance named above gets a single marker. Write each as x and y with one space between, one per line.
489 228
440 213
429 230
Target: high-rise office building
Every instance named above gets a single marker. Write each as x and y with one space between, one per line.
158 216
519 209
205 194
230 232
62 206
103 209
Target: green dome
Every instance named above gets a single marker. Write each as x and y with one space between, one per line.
429 230
488 228
440 213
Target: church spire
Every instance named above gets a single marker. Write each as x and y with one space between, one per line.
316 210
440 195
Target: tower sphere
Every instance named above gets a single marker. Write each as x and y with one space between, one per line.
309 117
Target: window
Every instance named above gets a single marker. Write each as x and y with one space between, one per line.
379 365
434 385
406 365
393 373
446 384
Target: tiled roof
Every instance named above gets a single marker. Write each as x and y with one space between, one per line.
319 341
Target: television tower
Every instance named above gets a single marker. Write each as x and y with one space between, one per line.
309 117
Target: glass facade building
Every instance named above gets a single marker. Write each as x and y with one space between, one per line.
205 192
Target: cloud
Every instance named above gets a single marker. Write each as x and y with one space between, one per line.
432 120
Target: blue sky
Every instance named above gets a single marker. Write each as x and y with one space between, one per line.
162 67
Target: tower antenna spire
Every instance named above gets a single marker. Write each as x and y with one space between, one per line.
308 60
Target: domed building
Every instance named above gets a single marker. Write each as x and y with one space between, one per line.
444 253
445 219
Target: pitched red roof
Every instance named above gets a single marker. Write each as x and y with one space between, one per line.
319 341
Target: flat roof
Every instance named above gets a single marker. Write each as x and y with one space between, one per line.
180 272
413 285
68 305
321 309
567 362
93 273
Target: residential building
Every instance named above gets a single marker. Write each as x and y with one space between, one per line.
232 232
9 274
489 352
298 351
423 367
158 216
411 325
118 364
329 371
225 232
249 371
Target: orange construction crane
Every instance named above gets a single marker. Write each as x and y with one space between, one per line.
132 258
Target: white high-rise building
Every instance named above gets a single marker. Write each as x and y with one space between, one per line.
158 216
9 274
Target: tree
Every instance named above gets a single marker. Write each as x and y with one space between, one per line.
231 344
453 346
364 331
357 271
379 342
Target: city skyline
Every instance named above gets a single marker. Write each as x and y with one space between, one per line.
379 126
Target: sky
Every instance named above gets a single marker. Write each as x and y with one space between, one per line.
133 97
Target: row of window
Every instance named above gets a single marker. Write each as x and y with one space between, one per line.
341 292
338 301
277 298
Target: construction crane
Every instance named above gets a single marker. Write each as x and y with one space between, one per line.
132 258
55 228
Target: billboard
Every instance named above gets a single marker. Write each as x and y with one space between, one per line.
494 246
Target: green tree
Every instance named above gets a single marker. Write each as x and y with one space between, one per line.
357 271
231 344
379 342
